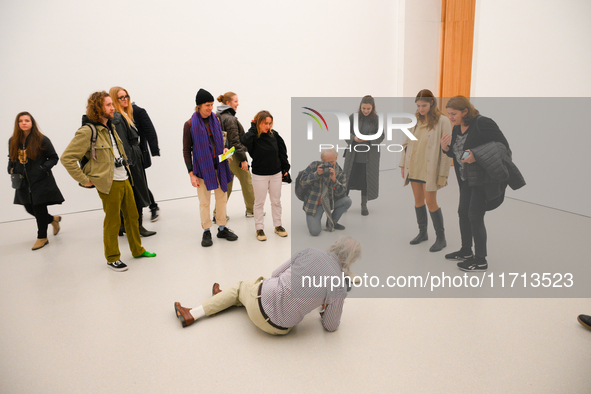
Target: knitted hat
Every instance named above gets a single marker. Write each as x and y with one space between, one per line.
203 96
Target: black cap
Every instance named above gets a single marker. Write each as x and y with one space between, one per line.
203 96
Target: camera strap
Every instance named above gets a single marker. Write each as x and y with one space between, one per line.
114 141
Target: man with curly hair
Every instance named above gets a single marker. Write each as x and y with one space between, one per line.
104 166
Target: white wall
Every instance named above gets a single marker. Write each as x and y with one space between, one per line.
420 47
540 48
54 54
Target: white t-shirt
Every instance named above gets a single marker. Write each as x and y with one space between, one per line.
120 172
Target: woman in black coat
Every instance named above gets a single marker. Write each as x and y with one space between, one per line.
148 138
470 130
362 164
32 155
125 126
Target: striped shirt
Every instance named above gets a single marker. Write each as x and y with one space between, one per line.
286 308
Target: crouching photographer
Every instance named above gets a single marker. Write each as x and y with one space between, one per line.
325 190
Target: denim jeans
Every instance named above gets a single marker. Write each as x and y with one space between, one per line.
314 221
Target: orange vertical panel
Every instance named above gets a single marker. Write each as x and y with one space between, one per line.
457 41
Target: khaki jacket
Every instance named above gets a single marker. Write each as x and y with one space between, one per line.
438 163
100 171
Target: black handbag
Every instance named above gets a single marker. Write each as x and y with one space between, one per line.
17 181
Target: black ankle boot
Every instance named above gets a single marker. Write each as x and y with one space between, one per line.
422 221
364 210
440 243
146 233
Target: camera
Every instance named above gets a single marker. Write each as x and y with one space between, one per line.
120 161
326 166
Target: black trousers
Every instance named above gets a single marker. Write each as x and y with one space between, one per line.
471 211
41 216
153 204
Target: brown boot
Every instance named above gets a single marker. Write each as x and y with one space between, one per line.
215 289
183 314
41 242
56 224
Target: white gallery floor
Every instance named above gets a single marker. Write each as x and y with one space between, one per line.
71 325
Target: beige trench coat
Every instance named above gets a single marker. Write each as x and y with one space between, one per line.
438 163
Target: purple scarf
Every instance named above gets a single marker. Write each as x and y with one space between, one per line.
203 153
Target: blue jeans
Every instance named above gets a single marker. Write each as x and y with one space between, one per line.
314 221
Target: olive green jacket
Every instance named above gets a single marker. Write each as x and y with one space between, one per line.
100 171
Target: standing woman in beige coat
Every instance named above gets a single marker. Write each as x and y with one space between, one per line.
426 167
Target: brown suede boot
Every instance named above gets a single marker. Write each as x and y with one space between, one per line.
41 242
56 224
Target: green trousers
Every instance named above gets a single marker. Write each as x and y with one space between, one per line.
120 199
245 183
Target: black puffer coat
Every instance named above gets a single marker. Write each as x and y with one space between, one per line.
39 187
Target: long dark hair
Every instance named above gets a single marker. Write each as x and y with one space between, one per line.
433 115
373 116
34 141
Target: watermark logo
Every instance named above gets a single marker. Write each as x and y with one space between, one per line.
345 129
316 119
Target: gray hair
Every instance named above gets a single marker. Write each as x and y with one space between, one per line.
323 153
348 250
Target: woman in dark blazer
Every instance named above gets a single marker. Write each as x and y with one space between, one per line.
470 130
32 155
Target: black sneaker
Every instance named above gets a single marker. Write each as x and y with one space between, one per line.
155 214
460 255
228 234
473 264
585 321
206 240
118 266
335 227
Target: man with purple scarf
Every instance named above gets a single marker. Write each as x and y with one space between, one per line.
203 143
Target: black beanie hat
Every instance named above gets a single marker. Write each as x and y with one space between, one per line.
203 96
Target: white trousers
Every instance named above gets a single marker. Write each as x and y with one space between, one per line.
261 185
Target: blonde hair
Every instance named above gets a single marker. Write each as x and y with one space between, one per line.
224 98
259 118
127 112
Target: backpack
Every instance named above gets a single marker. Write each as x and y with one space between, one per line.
301 192
93 136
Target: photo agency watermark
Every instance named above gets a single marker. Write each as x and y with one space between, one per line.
533 266
389 123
